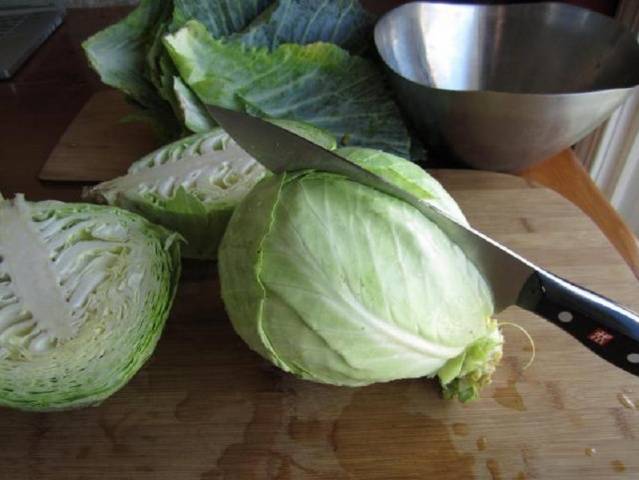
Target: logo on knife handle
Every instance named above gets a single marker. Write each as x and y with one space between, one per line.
600 337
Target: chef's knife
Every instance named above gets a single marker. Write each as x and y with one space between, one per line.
606 328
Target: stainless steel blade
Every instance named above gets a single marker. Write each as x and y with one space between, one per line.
280 150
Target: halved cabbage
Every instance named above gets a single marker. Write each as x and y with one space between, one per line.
339 283
192 186
84 294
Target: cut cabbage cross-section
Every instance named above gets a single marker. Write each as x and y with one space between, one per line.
192 186
84 293
189 186
225 178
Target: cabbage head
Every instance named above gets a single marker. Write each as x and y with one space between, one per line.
85 291
339 283
191 186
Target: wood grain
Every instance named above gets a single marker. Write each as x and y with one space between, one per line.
565 174
99 144
206 407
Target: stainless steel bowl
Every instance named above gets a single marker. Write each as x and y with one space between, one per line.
505 86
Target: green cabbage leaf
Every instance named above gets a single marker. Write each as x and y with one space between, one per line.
341 22
285 59
320 84
119 55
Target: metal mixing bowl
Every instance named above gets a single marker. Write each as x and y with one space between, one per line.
505 86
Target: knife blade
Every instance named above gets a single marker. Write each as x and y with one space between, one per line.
606 328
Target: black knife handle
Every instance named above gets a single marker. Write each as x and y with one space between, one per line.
606 328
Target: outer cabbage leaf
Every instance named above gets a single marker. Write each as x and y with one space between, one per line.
407 176
320 84
342 22
129 55
118 52
191 110
119 55
84 294
220 17
161 72
155 70
339 283
191 186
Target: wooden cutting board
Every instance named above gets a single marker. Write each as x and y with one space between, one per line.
206 407
100 143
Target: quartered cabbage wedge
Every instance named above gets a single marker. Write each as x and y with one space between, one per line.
84 294
339 283
192 186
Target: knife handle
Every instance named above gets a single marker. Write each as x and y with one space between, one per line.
608 329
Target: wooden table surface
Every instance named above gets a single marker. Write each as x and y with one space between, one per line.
207 408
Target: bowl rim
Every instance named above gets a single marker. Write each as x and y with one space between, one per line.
622 29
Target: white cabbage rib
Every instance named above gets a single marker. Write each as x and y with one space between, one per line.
189 186
212 173
193 146
210 165
33 282
49 269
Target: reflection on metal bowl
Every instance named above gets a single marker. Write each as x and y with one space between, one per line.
503 87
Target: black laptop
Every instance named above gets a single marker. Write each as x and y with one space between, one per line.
24 26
